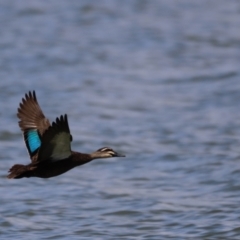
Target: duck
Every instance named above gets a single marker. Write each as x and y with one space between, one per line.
49 145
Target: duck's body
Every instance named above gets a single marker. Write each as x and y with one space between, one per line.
49 146
48 168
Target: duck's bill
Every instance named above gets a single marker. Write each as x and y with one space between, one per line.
118 155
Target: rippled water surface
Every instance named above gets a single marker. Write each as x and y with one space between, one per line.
156 80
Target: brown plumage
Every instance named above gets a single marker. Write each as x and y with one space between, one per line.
49 146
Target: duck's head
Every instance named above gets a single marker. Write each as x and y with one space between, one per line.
106 152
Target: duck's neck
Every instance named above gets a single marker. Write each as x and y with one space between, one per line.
81 158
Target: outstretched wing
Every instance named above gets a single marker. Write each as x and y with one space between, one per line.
56 141
32 122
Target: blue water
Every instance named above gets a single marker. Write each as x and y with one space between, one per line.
158 81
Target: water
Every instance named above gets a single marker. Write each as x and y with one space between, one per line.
158 81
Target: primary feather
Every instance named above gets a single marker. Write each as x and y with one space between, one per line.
56 141
32 122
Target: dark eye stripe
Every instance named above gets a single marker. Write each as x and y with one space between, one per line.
105 149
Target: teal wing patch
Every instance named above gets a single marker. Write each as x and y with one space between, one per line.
33 141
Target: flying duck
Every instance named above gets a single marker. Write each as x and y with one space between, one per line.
49 145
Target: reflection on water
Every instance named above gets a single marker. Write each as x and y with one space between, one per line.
158 81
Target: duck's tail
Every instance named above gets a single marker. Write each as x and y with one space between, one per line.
18 171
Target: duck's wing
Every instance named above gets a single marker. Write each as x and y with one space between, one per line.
32 122
56 141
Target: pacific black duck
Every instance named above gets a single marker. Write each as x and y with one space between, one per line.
49 145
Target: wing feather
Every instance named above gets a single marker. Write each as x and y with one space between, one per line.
32 122
56 141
